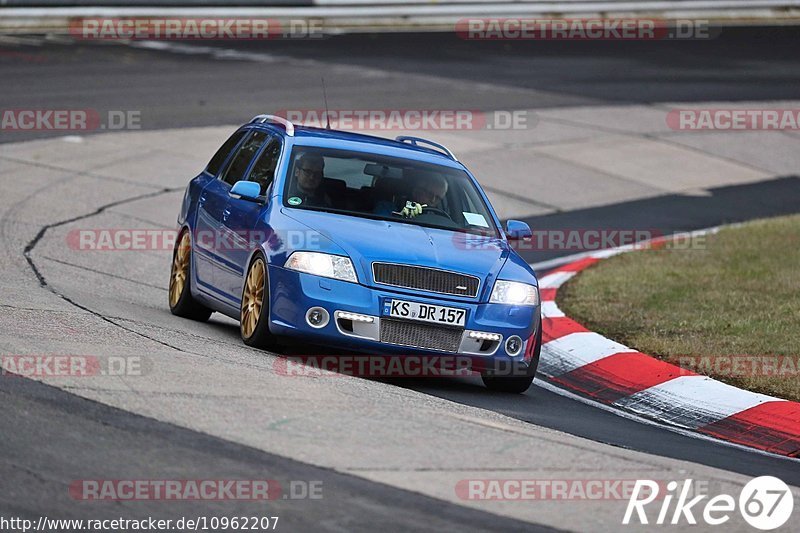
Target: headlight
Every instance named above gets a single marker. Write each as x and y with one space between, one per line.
514 293
320 264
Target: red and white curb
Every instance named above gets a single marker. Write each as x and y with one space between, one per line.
608 372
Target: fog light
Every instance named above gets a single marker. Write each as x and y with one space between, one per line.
355 317
317 317
513 345
485 336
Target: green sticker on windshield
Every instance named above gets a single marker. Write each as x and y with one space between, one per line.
294 200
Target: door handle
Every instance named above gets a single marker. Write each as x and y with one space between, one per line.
202 199
226 214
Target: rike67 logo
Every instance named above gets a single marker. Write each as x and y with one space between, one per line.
765 503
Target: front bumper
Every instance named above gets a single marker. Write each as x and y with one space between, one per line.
357 321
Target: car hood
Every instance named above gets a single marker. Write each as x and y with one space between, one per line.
366 240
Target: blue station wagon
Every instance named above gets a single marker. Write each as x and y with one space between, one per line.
356 242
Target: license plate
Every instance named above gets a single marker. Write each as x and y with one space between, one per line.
438 314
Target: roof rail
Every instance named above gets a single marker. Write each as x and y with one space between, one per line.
419 140
260 119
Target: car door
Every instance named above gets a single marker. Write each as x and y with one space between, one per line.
228 237
210 206
243 215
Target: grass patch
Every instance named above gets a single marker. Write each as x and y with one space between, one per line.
729 310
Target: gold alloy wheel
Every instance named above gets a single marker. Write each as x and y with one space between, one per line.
253 298
180 270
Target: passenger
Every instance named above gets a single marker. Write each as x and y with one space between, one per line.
429 190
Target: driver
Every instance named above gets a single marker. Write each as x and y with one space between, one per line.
308 176
429 190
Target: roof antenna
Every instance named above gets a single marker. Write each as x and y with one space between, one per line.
325 97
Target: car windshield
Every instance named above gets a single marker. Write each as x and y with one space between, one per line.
386 188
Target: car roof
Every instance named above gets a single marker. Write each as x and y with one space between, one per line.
310 136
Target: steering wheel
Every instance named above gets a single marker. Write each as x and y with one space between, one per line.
438 211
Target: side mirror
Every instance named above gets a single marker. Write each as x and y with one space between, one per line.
249 190
517 230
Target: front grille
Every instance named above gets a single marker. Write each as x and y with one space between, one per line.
426 279
428 337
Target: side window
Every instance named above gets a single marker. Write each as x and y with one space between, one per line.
219 158
241 160
264 169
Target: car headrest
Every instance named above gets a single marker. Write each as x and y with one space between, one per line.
382 171
334 185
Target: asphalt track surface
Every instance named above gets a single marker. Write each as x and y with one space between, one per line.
90 433
195 90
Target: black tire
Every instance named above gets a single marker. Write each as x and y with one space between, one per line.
261 336
516 384
185 306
